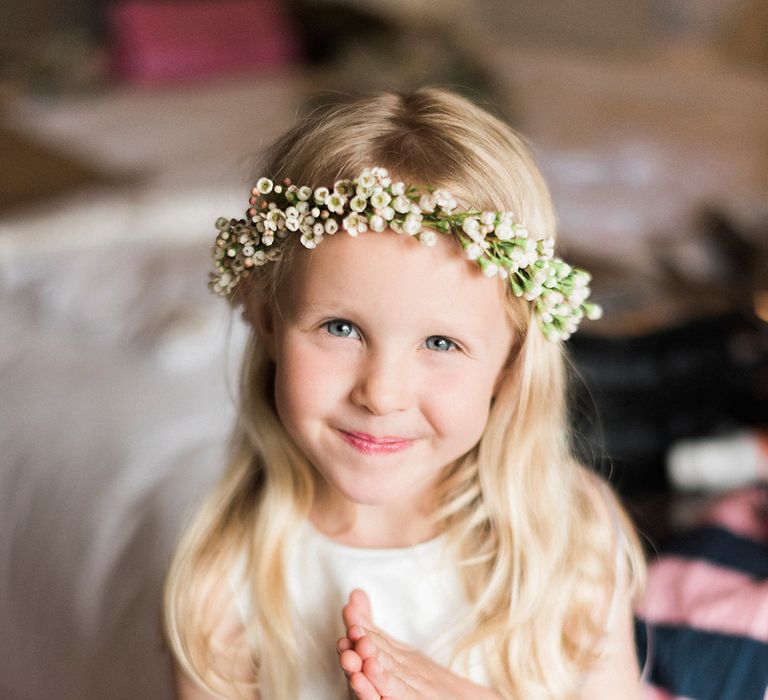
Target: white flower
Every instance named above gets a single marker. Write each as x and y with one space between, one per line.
402 204
412 224
268 238
292 223
302 207
532 293
274 254
473 251
490 270
521 231
318 229
358 203
248 250
315 211
336 202
379 172
321 194
427 203
471 227
578 296
364 190
354 224
310 239
504 231
331 226
366 179
388 213
397 188
264 185
428 238
274 220
304 193
593 311
259 257
344 187
378 223
379 200
488 218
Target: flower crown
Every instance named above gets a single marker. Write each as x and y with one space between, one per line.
494 240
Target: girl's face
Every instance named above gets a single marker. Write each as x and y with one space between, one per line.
387 354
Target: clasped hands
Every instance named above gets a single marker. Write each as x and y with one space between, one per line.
379 667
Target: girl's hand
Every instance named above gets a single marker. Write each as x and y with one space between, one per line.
379 667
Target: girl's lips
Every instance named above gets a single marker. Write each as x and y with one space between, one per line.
369 445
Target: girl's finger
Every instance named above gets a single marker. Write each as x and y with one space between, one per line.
384 682
343 644
350 661
362 687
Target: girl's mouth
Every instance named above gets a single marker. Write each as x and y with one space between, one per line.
369 445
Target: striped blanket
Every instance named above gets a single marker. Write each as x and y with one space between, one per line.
703 623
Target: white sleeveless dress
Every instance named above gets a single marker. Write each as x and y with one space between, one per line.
415 593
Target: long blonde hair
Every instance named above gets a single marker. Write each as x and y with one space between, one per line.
518 508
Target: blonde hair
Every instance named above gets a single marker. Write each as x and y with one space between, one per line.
518 508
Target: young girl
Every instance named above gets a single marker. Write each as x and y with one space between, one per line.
401 517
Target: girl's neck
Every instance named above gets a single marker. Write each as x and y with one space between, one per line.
393 525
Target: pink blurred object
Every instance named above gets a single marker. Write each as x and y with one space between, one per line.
167 42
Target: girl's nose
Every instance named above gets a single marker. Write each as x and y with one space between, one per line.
382 386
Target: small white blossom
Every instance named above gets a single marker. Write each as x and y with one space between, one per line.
471 226
402 204
336 202
427 203
259 257
331 226
388 213
248 250
264 185
379 172
318 229
354 224
412 224
310 239
321 194
367 179
504 231
397 189
304 193
274 254
488 218
344 187
292 223
428 238
378 223
303 207
473 251
364 190
358 204
379 200
521 231
315 211
268 238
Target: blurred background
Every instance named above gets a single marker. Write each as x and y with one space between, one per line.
127 128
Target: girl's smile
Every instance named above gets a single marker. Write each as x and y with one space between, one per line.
387 354
369 445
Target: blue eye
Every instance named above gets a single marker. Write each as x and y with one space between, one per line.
440 343
341 328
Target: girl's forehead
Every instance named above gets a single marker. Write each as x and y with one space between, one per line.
390 273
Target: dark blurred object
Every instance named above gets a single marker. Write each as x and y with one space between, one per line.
700 378
696 363
34 172
383 46
166 42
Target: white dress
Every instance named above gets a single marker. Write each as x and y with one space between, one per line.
415 592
